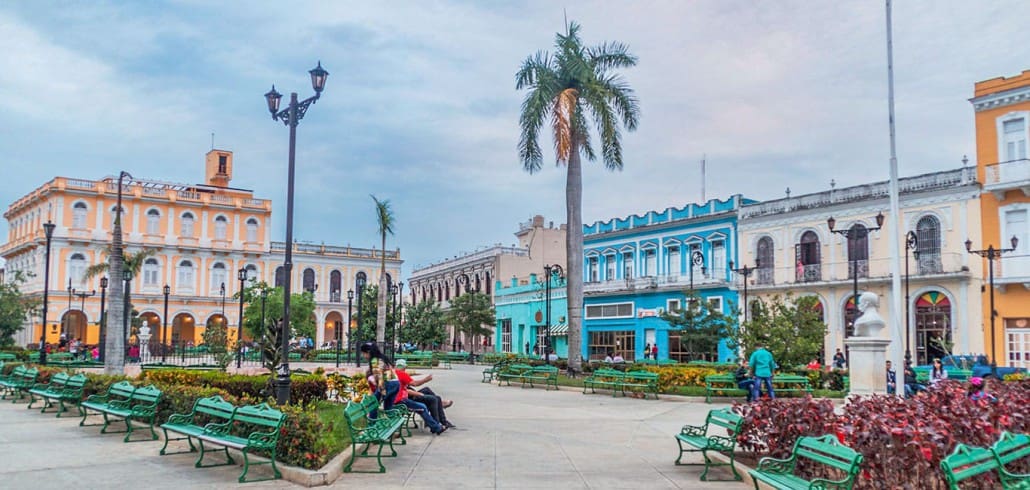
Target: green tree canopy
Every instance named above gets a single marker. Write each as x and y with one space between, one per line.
302 310
470 313
700 327
367 329
14 308
790 327
424 324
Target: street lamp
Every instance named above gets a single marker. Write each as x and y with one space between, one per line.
66 317
550 273
264 296
745 272
398 310
48 230
855 234
164 347
221 291
242 276
992 254
350 327
697 259
291 116
127 276
360 284
103 320
911 242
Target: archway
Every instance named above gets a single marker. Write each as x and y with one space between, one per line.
73 324
333 319
933 326
184 329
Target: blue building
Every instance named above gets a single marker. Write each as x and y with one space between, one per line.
521 312
637 267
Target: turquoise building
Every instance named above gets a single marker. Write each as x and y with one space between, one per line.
637 267
521 313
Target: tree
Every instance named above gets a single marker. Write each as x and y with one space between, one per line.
469 313
131 261
368 328
216 339
302 308
424 324
385 219
699 327
567 89
118 261
790 327
14 308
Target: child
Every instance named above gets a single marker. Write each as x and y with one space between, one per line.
978 390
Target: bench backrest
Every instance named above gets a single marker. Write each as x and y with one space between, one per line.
966 462
726 419
29 375
59 380
76 382
829 451
214 407
608 373
121 389
260 415
147 395
545 369
7 356
1011 447
354 413
720 377
519 367
642 375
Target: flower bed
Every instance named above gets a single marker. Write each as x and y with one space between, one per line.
902 440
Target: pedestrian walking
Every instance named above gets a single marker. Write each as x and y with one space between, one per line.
762 366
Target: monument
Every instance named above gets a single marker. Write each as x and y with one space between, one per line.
867 349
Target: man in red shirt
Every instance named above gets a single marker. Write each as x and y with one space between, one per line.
435 403
417 407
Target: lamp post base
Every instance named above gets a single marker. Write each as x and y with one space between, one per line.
282 389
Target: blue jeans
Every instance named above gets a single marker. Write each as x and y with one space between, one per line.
423 410
392 387
756 389
748 385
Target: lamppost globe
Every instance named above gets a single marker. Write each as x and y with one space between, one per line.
350 294
103 283
969 245
1015 242
831 223
273 97
241 274
318 76
879 220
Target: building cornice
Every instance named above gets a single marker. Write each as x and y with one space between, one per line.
1001 99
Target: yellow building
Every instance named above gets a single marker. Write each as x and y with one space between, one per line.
202 236
1002 107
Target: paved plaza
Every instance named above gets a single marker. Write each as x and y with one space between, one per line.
507 437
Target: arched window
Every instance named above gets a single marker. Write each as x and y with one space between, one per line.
186 278
489 283
933 326
335 285
252 273
807 259
218 278
151 272
221 225
187 225
79 215
478 284
766 260
447 291
77 268
153 222
280 276
309 280
252 230
858 251
928 246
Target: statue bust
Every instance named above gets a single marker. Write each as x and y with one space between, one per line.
869 323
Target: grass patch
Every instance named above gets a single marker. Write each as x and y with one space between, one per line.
338 438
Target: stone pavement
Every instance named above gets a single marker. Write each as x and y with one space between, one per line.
507 437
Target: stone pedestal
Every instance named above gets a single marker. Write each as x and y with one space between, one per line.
868 365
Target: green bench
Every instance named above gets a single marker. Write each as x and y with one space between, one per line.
157 366
968 462
825 451
423 359
604 378
448 357
490 373
727 384
642 381
512 371
697 439
923 374
546 375
18 382
366 431
7 357
215 421
617 381
126 402
61 388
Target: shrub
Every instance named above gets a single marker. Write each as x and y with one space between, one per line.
772 426
304 389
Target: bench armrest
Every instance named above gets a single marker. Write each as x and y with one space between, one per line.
180 418
97 399
143 411
774 465
1011 479
824 484
722 443
263 439
39 386
70 392
694 430
119 404
218 429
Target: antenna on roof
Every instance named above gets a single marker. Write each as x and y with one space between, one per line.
212 140
703 178
565 12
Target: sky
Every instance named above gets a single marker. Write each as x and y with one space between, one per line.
421 108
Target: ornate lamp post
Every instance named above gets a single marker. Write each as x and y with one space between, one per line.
291 116
242 276
48 230
360 284
911 242
67 317
264 297
398 310
551 272
854 234
350 328
103 321
697 259
992 254
393 322
745 272
127 276
164 326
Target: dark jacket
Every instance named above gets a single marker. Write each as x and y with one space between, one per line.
741 374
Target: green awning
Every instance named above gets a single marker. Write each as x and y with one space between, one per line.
560 329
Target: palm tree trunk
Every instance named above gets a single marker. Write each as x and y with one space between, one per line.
114 351
574 253
381 304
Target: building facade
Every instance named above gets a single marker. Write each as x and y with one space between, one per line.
522 321
638 267
539 244
790 243
201 237
1002 114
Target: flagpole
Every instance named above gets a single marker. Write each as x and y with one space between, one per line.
896 351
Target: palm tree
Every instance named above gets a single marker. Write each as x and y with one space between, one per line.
385 219
568 89
131 261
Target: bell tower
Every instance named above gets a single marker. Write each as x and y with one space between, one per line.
218 168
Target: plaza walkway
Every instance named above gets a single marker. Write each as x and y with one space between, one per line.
507 437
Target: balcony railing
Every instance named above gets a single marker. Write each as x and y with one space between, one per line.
808 273
1013 268
650 282
1013 174
859 266
765 276
876 268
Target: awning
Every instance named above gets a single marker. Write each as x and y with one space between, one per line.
560 330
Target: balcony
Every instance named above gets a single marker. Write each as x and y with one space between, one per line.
1012 270
1006 176
650 282
929 265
